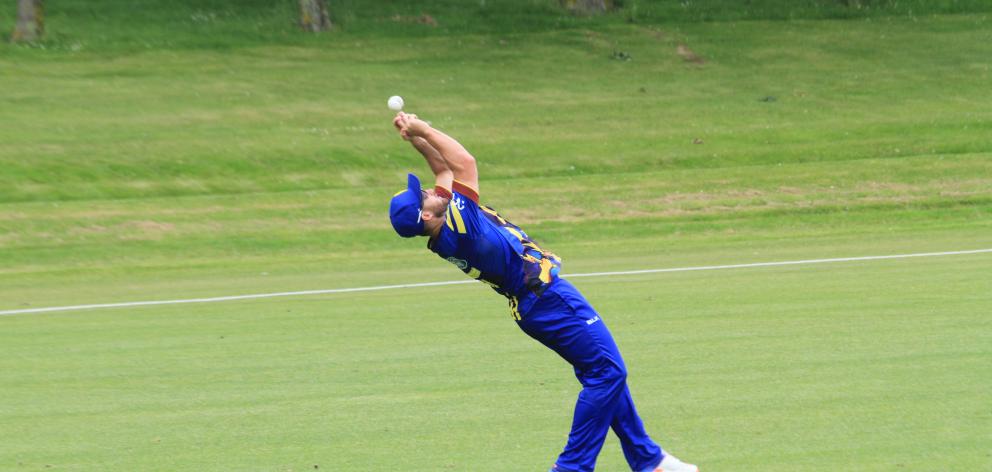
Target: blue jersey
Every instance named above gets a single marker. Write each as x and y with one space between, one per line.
489 248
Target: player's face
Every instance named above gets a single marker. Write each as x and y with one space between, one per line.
434 203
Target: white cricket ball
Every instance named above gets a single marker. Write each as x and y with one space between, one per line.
395 103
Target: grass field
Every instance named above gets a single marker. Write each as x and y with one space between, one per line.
859 365
208 149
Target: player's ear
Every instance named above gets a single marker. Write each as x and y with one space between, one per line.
426 215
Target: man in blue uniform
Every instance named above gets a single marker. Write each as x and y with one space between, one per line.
487 247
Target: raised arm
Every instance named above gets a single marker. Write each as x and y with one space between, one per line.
443 176
454 155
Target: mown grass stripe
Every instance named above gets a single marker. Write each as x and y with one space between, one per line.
457 282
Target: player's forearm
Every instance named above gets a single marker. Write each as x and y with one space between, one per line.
443 176
431 155
455 156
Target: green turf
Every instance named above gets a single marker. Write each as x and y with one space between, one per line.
171 150
874 365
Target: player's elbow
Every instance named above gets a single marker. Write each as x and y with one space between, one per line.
465 160
463 163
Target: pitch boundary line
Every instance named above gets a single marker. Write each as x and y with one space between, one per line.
459 282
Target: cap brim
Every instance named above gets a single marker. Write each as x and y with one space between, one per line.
413 184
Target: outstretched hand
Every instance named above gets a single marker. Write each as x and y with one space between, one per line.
410 126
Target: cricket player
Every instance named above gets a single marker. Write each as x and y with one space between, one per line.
486 246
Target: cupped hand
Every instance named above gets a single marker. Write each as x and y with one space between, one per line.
410 126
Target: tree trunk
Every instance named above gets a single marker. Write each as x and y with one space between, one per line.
587 7
313 16
30 21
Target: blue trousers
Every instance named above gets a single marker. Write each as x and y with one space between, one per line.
563 320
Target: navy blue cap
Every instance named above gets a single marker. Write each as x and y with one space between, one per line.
404 209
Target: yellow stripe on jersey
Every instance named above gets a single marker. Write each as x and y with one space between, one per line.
546 266
492 212
515 233
514 311
459 222
533 246
447 220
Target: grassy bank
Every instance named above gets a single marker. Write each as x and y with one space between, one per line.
273 154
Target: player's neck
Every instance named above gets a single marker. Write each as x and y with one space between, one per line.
435 231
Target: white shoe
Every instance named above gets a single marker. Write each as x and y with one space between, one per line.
671 464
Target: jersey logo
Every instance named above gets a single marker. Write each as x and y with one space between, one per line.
459 203
593 320
460 263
